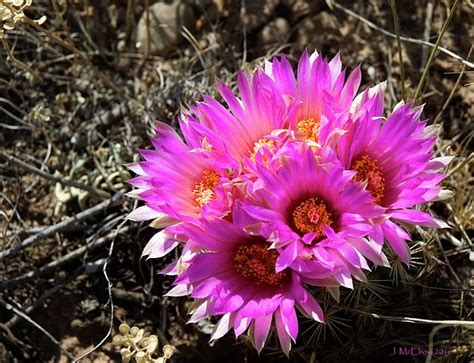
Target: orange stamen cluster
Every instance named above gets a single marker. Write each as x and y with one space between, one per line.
204 191
311 215
258 145
368 171
309 127
256 263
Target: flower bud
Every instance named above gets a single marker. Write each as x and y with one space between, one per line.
168 351
117 340
152 343
124 329
133 331
140 357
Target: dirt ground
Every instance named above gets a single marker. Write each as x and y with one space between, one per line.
78 99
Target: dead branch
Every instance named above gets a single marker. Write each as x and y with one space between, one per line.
96 243
332 3
115 200
57 179
30 321
111 301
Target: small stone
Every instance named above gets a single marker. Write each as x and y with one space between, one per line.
77 324
276 31
166 22
258 12
301 8
320 31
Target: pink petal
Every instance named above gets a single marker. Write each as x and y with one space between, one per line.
398 244
288 255
283 336
241 324
310 307
160 245
288 317
261 328
179 290
420 218
145 213
222 327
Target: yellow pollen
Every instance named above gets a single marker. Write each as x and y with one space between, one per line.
204 191
257 147
309 127
311 215
368 171
256 263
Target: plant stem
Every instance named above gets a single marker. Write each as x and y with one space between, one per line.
396 24
433 52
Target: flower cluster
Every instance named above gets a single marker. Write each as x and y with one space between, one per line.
12 12
298 181
136 344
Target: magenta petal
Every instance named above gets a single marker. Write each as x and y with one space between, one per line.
288 255
398 244
352 85
199 267
352 256
261 328
208 286
283 336
179 290
167 139
241 324
145 213
160 245
288 317
371 250
171 269
201 312
310 307
222 327
261 304
229 303
414 217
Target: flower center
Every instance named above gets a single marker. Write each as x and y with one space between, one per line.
311 215
204 191
368 171
257 147
255 262
309 127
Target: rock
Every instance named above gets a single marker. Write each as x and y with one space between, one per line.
301 8
166 21
275 32
321 31
257 13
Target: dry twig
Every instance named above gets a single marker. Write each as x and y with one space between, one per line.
115 200
57 179
434 50
89 247
37 326
332 3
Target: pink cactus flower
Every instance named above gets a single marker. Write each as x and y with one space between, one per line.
393 160
234 277
315 213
